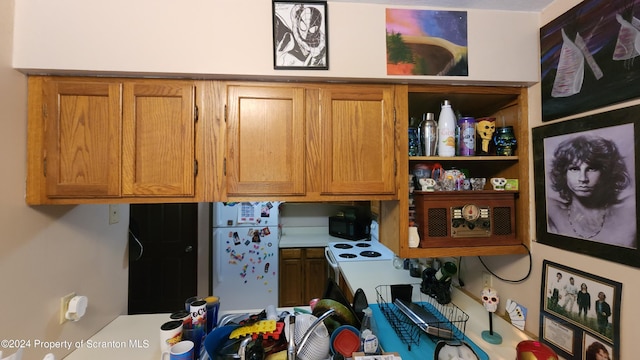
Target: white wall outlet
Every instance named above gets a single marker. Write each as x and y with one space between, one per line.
487 279
114 214
64 306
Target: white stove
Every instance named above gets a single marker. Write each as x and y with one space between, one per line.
348 251
359 251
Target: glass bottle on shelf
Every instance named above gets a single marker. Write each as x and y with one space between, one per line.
414 137
505 141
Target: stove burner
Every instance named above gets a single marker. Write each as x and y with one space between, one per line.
347 255
342 246
369 253
363 245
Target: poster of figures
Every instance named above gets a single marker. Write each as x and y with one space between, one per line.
426 42
300 35
580 313
589 57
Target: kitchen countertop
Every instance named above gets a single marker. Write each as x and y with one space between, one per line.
367 275
310 236
136 337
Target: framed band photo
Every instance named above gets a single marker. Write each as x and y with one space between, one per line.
578 309
300 39
585 185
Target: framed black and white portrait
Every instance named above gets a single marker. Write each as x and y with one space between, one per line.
585 185
300 39
579 312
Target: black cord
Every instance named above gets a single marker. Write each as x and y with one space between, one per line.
507 280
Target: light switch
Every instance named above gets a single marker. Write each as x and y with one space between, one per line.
114 214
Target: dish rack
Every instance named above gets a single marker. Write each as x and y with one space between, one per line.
451 318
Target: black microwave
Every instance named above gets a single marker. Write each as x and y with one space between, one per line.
350 229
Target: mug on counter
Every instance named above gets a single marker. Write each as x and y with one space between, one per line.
198 330
180 351
170 334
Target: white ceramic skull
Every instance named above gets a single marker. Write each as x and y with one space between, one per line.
498 183
427 184
490 299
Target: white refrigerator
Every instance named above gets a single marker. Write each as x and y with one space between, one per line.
245 254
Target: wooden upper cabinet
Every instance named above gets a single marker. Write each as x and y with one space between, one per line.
358 139
158 139
265 141
106 140
81 155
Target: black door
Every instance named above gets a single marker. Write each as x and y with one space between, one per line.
163 248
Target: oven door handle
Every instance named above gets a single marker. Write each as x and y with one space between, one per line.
329 256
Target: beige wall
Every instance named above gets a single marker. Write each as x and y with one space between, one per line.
49 251
512 267
231 37
230 40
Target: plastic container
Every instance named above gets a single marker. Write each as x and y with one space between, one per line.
447 131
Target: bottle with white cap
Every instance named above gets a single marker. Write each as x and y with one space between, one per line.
446 131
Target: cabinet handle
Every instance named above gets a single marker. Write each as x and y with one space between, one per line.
188 249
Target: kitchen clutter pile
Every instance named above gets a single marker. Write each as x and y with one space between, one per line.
331 328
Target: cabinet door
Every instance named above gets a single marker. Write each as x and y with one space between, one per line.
82 138
158 138
291 278
358 135
315 274
265 141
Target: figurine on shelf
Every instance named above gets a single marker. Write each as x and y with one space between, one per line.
498 183
427 184
490 300
485 127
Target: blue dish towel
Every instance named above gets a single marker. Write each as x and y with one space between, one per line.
425 349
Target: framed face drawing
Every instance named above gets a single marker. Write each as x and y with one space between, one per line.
300 39
585 185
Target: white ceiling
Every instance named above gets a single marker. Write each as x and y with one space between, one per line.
507 5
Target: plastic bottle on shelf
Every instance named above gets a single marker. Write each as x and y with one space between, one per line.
447 131
368 338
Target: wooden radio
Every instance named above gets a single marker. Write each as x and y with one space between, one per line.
465 218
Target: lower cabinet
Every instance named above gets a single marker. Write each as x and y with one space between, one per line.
303 275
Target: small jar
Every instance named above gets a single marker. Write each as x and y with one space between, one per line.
505 141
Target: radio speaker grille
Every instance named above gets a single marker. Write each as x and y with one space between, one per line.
438 224
502 221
